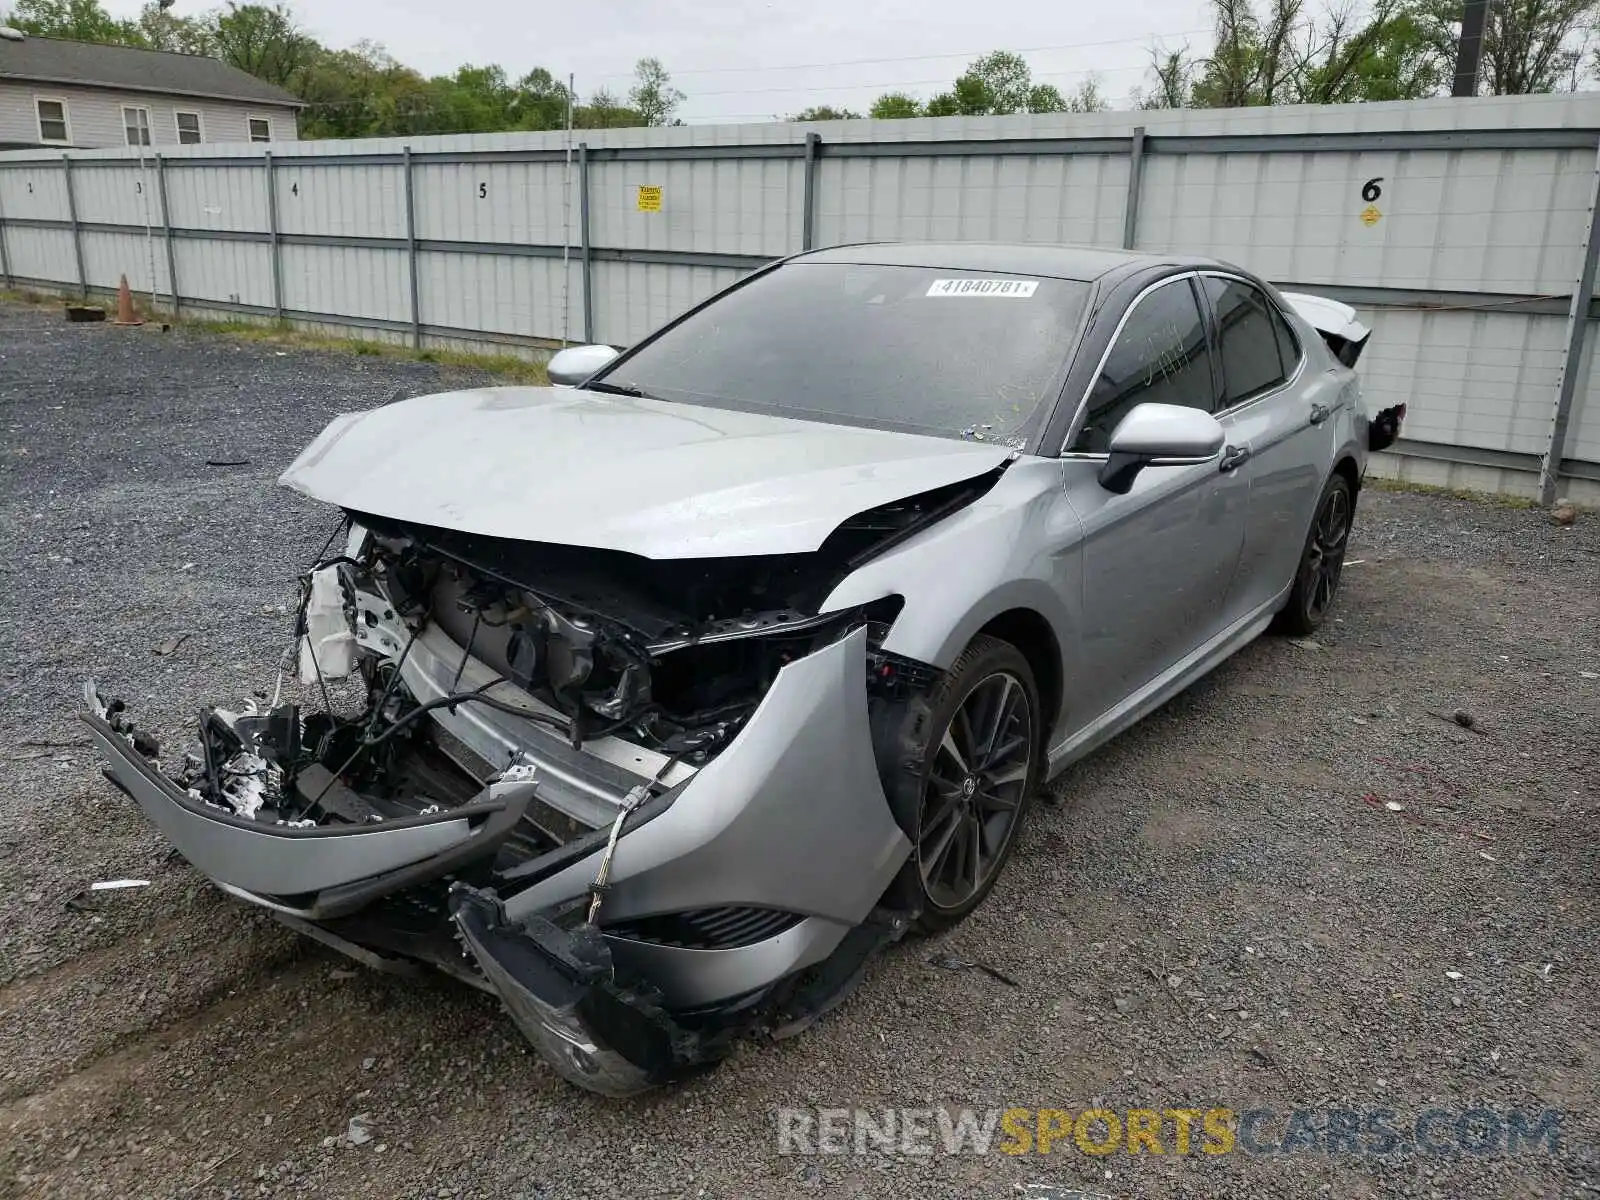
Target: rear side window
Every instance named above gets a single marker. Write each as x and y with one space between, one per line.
1258 349
1159 357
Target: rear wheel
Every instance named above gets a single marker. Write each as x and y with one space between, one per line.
1316 583
963 766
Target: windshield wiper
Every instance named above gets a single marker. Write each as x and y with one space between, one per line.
614 389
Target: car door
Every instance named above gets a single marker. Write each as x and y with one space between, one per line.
1275 407
1158 561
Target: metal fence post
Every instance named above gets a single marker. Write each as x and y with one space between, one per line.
166 231
77 235
411 252
808 196
583 236
5 255
1577 329
272 231
1130 211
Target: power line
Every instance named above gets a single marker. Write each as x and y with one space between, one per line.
857 62
905 83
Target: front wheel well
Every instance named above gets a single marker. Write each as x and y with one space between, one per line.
1031 634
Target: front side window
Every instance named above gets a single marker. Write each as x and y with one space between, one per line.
260 129
188 128
1159 357
974 355
53 121
1258 351
136 126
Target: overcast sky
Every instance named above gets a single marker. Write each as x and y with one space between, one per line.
756 60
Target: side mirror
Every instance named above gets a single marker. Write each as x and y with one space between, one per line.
570 367
1159 435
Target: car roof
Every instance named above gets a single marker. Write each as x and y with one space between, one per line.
1083 263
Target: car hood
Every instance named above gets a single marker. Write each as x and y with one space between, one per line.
642 476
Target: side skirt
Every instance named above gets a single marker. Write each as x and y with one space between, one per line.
1165 686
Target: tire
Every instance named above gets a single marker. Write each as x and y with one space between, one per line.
950 801
1316 580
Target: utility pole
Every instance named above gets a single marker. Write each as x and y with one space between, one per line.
1470 51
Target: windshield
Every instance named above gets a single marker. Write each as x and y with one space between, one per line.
959 354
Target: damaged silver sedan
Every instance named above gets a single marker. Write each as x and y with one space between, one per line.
657 704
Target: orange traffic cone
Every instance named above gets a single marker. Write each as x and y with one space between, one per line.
125 314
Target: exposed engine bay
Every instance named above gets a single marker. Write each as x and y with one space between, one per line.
652 667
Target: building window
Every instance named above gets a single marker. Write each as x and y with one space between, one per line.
53 125
136 126
189 128
260 129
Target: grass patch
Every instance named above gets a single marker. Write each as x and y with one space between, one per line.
1383 484
506 367
38 299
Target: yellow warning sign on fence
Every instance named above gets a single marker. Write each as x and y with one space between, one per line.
649 197
1370 215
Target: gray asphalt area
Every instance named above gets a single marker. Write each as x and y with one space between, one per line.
1302 885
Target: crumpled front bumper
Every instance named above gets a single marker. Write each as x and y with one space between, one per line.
790 818
317 874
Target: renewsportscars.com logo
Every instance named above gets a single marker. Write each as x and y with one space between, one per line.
1168 1131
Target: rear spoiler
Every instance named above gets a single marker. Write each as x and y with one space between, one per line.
1336 322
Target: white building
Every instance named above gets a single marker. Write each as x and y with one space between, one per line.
61 93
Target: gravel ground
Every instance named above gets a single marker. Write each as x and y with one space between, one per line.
1221 908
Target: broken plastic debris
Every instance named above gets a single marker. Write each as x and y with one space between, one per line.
1486 856
1394 806
1454 975
327 651
357 1133
113 885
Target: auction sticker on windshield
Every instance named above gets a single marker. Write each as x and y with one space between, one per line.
1018 289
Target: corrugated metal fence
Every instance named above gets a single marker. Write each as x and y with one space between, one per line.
1465 230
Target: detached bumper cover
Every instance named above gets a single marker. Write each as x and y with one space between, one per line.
333 870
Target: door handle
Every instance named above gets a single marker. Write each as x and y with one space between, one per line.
1319 413
1234 456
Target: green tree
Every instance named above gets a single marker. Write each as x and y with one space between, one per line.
1172 80
162 29
895 106
825 112
968 97
75 20
1001 82
605 111
1288 55
1284 53
1085 98
653 97
360 92
1002 79
1046 98
263 41
540 101
1528 45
